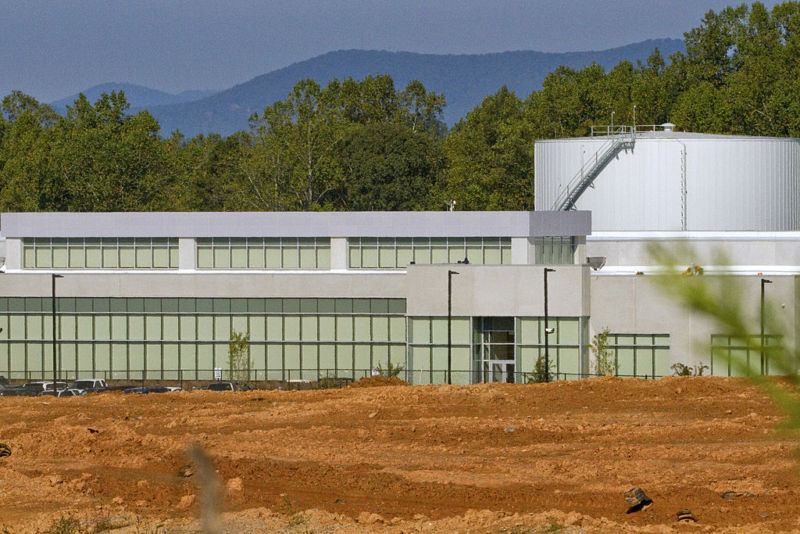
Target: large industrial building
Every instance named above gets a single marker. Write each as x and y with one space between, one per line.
158 295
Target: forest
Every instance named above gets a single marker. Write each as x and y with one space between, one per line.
368 145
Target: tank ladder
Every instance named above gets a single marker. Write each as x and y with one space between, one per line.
618 139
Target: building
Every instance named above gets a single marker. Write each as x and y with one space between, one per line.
737 197
157 295
454 296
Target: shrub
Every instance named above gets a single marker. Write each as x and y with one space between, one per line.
604 361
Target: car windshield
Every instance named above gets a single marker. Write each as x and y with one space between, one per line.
83 384
221 386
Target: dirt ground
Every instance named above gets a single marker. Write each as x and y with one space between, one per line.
483 458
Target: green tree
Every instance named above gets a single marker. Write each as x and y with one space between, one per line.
389 166
604 361
490 157
239 357
295 145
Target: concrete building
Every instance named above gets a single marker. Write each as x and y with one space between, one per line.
158 295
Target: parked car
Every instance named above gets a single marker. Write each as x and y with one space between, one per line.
13 391
64 393
90 385
37 388
227 386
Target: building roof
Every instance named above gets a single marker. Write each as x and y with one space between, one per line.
298 224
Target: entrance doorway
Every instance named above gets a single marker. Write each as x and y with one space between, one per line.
497 363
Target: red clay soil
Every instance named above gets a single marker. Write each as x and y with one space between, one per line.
378 381
483 458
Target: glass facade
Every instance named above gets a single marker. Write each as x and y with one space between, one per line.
734 355
567 346
100 253
398 252
171 338
264 253
494 349
640 355
290 339
554 250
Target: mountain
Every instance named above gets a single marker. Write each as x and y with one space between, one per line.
465 80
139 97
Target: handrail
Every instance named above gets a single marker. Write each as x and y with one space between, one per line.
619 137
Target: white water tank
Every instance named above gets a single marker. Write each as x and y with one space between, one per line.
674 181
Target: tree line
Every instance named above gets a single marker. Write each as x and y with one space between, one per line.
367 145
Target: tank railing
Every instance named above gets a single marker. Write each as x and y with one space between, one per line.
621 129
589 164
566 198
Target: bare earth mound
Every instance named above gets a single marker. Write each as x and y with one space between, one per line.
377 381
483 458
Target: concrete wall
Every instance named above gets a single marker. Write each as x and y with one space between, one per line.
753 251
478 290
635 305
498 290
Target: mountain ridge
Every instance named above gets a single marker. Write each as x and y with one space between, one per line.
464 79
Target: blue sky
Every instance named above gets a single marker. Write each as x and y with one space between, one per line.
51 49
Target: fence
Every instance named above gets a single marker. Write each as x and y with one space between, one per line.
295 378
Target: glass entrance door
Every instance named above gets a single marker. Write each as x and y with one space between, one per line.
497 349
498 371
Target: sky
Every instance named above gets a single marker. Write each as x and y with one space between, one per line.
52 49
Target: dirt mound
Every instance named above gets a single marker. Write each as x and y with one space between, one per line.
483 458
378 381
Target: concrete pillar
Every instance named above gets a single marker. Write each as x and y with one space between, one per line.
13 254
187 254
519 251
338 253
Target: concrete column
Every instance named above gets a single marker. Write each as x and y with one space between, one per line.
519 251
13 254
187 254
338 253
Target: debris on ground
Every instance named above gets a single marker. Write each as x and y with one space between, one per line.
637 499
5 450
685 516
733 494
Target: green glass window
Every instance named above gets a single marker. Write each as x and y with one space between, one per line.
105 253
263 253
554 250
394 253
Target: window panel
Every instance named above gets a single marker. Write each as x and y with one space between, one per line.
292 328
30 257
76 257
369 257
161 258
344 328
362 330
397 328
491 255
43 257
308 258
222 258
255 258
239 257
144 257
205 259
387 257
420 330
380 329
60 257
273 255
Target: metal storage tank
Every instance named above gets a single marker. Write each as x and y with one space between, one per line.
673 181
